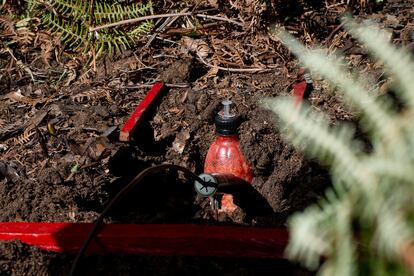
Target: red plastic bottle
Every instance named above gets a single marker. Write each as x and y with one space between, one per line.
224 155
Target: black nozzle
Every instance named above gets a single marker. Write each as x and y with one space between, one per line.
227 123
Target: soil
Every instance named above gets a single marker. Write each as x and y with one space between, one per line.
19 259
70 176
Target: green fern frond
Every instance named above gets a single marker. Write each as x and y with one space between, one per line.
366 223
395 171
144 27
394 224
378 114
326 231
74 35
75 9
72 19
309 237
112 42
106 13
31 5
341 221
329 144
399 62
117 40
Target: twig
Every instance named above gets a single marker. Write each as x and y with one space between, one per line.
148 85
164 56
155 16
334 31
134 20
167 40
157 31
168 22
334 5
240 70
220 19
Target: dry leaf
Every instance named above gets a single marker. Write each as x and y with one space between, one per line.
181 141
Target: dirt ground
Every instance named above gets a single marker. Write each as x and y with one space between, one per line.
70 176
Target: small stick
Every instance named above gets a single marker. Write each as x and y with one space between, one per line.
148 17
334 31
220 19
240 70
164 56
157 31
334 5
168 22
172 85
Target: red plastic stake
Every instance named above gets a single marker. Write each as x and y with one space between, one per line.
152 239
299 93
137 116
302 88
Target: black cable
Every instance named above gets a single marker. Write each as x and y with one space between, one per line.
119 195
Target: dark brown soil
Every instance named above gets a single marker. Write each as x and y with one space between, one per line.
19 259
70 177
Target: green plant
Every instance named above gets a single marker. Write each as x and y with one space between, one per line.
365 224
72 20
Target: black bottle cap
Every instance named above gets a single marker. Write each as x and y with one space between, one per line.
227 123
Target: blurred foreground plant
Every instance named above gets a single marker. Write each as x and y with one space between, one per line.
365 224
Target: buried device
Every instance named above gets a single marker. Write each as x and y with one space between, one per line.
225 162
153 239
150 239
157 239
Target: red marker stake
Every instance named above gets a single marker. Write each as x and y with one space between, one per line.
302 88
152 239
298 93
138 115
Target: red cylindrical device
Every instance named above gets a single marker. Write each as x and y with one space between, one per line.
224 155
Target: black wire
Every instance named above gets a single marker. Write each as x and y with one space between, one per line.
119 195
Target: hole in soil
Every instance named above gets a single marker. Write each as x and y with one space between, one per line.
87 204
252 202
197 70
197 158
124 163
160 198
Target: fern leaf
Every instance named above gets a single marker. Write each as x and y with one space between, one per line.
373 198
344 263
144 27
309 237
388 168
393 232
376 113
398 61
75 9
31 5
73 18
106 13
112 42
74 35
330 145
